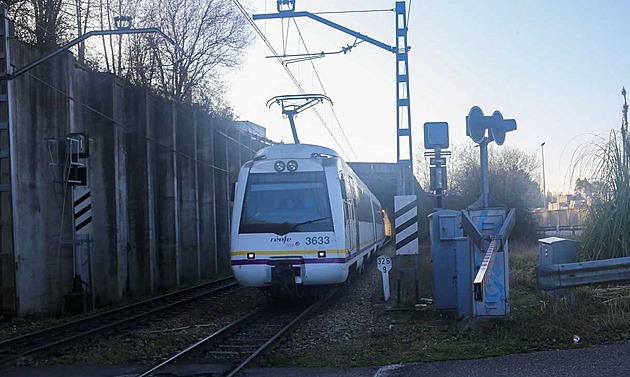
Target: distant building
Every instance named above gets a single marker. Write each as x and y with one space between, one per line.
251 128
568 201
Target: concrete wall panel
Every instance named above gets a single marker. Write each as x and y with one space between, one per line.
189 258
160 176
96 91
206 188
43 260
134 114
165 190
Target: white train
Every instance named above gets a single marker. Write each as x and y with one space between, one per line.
301 218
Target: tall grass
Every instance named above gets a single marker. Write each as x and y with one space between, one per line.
607 232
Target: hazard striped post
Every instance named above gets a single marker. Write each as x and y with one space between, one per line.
406 227
406 224
82 216
82 209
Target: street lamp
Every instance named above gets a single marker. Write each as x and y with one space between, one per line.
542 149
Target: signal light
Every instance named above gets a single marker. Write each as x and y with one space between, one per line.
251 255
292 165
321 254
279 166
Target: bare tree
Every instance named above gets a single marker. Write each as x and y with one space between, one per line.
21 12
47 19
213 34
511 175
82 10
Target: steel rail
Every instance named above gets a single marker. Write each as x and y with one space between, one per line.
280 333
222 333
107 320
213 336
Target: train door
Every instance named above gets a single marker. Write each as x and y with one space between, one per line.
374 221
349 209
347 213
355 219
352 233
357 239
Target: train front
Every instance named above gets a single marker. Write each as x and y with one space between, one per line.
287 221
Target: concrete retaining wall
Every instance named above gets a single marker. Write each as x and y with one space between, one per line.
160 175
560 217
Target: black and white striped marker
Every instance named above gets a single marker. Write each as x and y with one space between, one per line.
406 223
82 210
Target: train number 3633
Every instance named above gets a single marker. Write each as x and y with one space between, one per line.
317 240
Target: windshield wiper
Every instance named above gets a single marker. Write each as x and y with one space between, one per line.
295 226
278 228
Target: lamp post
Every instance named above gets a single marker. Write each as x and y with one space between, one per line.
542 149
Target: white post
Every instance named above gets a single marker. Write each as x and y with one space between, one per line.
384 263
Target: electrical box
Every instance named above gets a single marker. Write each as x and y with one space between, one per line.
555 250
447 243
481 226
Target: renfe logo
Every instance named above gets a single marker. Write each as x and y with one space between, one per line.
283 239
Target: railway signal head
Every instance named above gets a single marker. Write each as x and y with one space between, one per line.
477 123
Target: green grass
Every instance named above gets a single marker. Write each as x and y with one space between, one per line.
537 322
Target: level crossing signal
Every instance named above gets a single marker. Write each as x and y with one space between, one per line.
477 123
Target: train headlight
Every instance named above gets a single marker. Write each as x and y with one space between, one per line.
279 166
292 165
251 255
321 254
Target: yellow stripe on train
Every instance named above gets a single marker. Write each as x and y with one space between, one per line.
286 252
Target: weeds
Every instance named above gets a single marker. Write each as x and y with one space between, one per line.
537 322
604 160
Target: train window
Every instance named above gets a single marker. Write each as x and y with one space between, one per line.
282 203
344 194
351 192
364 208
378 214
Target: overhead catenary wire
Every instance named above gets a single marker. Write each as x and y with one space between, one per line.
324 89
287 70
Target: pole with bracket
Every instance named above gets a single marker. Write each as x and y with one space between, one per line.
74 42
286 9
9 236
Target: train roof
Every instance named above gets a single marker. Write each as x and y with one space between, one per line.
294 151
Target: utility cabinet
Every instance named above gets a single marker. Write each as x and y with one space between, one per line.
447 245
482 227
555 250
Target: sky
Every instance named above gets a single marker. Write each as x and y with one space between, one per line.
557 67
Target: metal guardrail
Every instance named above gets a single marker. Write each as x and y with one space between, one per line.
567 275
560 227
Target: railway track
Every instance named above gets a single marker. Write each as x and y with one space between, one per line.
234 346
122 317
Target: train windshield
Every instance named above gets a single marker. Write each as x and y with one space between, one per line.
286 202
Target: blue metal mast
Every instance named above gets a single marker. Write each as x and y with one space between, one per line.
404 145
403 108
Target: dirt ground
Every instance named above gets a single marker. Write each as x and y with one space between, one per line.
357 328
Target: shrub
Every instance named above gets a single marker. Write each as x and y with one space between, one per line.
607 230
